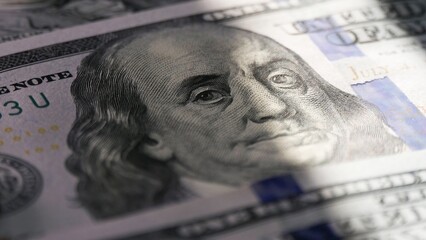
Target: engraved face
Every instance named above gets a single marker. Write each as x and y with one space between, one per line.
167 105
234 108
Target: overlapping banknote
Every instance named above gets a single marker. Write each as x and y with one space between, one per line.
24 18
381 203
162 116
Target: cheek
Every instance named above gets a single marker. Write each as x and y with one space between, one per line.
181 124
199 126
315 105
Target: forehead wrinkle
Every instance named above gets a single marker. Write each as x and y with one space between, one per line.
149 76
142 55
276 59
136 67
191 64
163 48
257 51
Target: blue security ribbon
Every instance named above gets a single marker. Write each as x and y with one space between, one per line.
401 114
317 232
276 188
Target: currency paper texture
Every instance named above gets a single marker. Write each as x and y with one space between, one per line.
385 202
21 19
199 99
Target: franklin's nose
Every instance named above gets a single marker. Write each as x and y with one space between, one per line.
265 106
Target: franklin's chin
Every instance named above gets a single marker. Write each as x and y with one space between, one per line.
307 148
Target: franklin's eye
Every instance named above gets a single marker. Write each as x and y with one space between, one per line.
205 96
284 79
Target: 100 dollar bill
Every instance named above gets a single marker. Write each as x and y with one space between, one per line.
188 101
360 200
21 19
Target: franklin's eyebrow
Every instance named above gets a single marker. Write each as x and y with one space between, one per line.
192 82
276 61
272 63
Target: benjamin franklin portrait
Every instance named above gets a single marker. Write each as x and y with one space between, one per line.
165 114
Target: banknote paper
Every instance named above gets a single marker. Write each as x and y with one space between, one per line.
21 19
199 99
385 202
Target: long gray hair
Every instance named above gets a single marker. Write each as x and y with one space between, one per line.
108 127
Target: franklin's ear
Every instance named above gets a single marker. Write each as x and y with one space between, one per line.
155 147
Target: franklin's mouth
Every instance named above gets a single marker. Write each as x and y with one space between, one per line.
306 137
